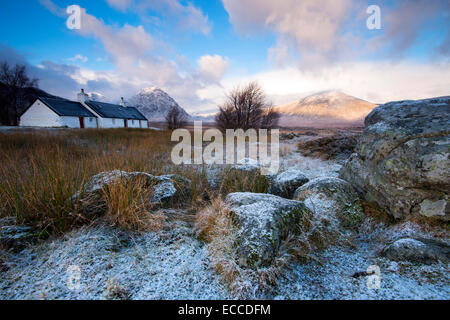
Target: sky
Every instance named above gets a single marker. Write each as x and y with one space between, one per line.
197 51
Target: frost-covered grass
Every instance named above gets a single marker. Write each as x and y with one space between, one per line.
170 264
173 262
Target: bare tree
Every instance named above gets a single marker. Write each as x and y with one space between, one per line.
175 119
15 80
246 108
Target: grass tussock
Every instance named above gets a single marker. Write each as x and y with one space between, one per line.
129 207
241 181
214 224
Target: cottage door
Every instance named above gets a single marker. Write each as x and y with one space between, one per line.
125 123
81 122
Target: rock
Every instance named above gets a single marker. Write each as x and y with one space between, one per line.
413 250
247 165
332 198
166 189
262 222
337 147
286 183
170 187
402 160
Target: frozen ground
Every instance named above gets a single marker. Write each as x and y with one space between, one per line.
172 264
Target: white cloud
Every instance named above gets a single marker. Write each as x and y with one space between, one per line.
187 16
378 82
314 26
79 57
122 5
324 32
213 67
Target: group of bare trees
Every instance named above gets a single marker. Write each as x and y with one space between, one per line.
247 108
14 81
175 119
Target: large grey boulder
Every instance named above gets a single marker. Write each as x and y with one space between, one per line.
261 222
165 189
286 183
413 250
402 160
333 200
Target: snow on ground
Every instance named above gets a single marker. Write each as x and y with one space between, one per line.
169 265
172 264
332 280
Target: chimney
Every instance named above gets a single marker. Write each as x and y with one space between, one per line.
122 102
82 97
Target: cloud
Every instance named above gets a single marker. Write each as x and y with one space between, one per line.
57 79
139 62
404 22
187 16
314 26
377 82
79 57
213 67
53 8
322 32
122 5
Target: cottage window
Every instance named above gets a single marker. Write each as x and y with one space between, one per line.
114 121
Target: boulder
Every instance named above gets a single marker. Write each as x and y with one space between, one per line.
247 165
332 199
413 250
261 223
166 188
402 160
286 183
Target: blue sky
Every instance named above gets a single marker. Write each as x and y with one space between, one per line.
197 50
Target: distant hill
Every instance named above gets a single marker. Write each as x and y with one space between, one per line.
325 109
29 96
154 103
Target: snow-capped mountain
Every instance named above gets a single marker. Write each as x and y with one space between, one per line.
325 109
95 96
205 117
154 103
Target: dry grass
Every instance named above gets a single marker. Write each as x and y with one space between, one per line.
129 207
41 170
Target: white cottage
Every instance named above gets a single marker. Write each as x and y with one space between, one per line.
48 112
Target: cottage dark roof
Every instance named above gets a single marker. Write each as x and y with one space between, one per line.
108 110
66 108
138 115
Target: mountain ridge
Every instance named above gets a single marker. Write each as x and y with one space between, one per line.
154 104
325 109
